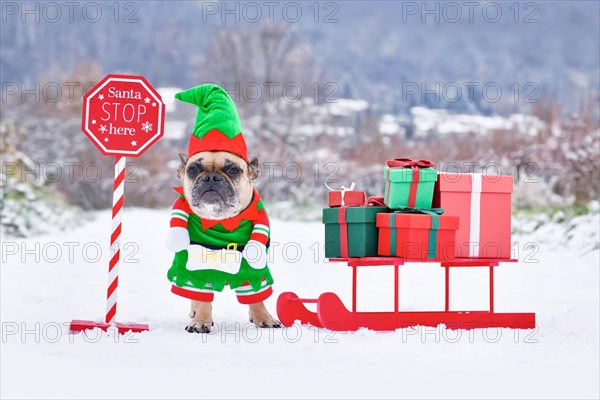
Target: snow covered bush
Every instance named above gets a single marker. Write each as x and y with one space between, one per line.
28 206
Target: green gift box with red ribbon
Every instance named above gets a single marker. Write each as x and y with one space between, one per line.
409 183
417 234
351 231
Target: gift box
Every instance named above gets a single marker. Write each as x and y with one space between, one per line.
483 204
417 236
351 198
351 231
409 183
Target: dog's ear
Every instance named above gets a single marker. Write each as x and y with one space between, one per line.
253 169
181 168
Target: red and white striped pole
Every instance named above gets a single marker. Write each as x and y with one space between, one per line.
113 265
115 239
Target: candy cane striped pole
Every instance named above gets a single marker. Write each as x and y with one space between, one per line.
115 238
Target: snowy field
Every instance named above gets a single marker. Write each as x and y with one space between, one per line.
47 281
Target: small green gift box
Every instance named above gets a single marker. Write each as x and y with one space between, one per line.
351 231
409 183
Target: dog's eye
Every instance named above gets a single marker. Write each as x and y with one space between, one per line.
193 171
234 171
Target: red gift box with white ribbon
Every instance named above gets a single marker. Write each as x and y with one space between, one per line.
483 205
346 197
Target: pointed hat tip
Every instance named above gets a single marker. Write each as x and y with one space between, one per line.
197 94
189 95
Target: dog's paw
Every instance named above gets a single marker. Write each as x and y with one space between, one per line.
199 327
266 323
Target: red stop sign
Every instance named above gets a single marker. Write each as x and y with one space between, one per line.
123 115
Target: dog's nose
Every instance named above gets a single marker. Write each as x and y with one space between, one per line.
212 176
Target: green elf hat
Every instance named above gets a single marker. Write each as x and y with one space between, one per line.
217 126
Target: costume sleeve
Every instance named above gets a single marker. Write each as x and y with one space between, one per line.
261 228
180 213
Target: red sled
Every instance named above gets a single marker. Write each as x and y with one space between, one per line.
333 315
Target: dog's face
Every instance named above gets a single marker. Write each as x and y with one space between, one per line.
217 184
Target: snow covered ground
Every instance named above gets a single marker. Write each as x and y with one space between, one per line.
47 281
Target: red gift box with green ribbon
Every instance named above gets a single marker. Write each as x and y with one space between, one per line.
409 183
417 234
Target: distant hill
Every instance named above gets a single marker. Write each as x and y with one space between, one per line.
380 51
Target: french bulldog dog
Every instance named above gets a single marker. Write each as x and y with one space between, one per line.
217 187
217 184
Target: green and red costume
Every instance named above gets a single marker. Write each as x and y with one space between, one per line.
217 128
251 285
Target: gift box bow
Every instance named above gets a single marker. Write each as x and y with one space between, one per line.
416 210
342 188
376 201
409 163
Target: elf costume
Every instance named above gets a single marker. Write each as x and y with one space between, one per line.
210 254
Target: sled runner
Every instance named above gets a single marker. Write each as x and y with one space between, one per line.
78 325
332 314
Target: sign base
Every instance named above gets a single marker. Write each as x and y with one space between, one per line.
78 325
